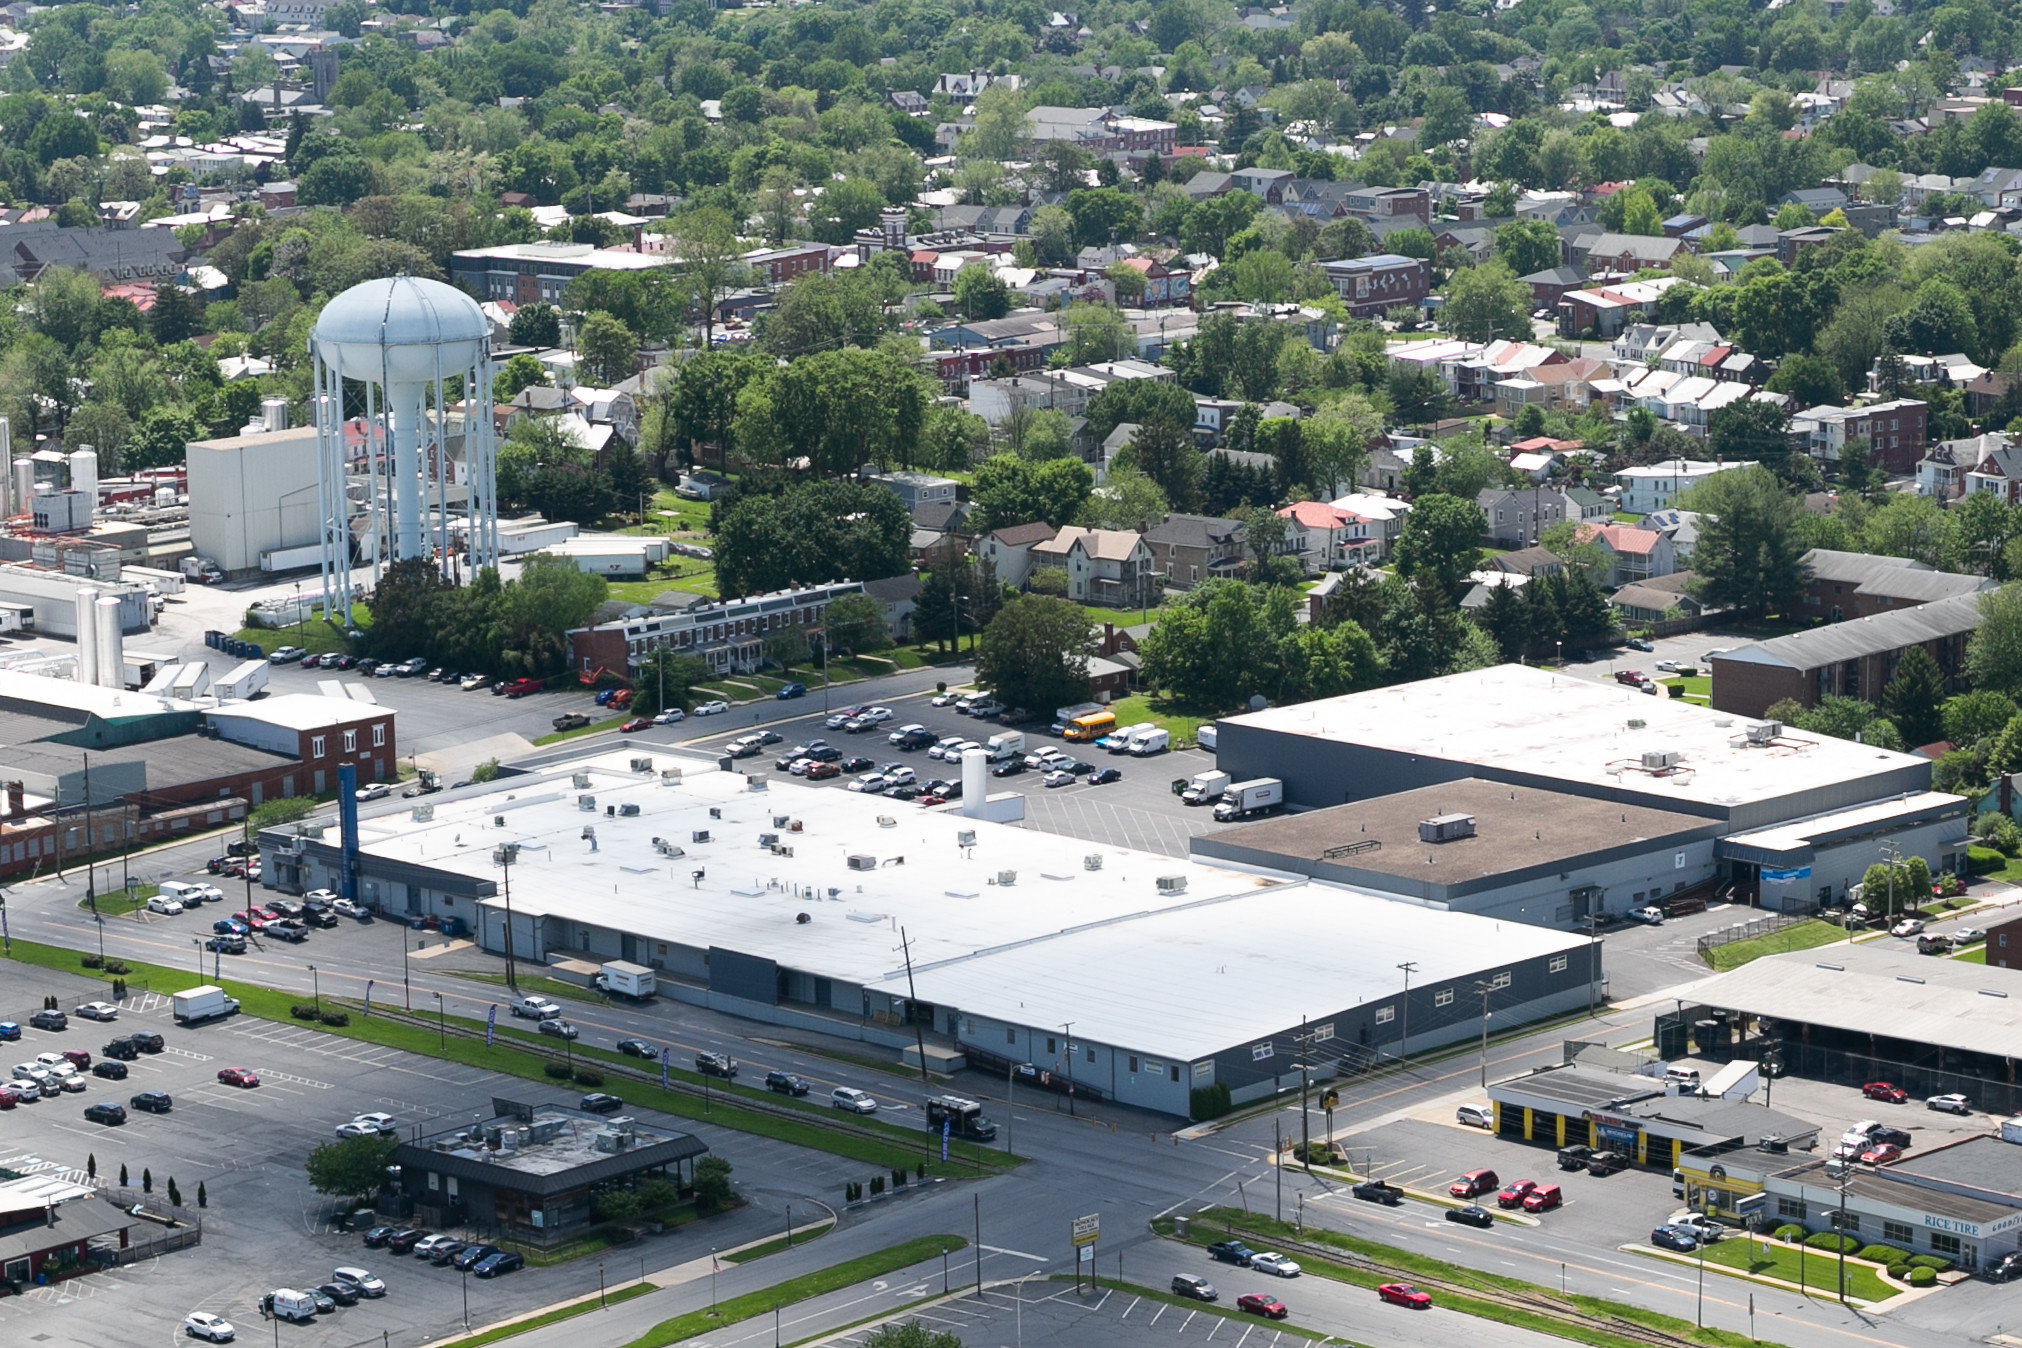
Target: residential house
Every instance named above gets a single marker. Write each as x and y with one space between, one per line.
1630 555
1326 538
778 266
1519 519
1953 370
1680 526
1564 385
1895 430
1111 567
1849 586
1845 659
909 102
1605 310
1385 515
1188 549
1389 204
1009 550
1985 394
1791 242
1640 343
1629 253
900 596
1654 487
1552 284
1370 285
1987 462
1270 184
1528 562
915 489
1652 600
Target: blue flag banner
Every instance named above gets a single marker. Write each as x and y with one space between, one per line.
491 1025
944 1139
368 996
663 1069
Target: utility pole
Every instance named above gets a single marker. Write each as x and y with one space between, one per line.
1404 1041
1305 1080
1068 1029
1484 990
91 871
505 854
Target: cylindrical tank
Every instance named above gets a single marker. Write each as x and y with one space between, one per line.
84 477
975 780
87 635
111 653
24 484
274 412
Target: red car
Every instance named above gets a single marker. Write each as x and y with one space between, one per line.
1404 1294
1632 677
254 918
1882 1090
636 723
1882 1153
821 772
1472 1183
1262 1303
1514 1193
239 1076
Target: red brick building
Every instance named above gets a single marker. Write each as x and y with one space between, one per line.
320 733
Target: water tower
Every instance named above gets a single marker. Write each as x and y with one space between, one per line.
411 350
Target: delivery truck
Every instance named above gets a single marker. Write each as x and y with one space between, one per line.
964 1118
202 570
243 682
292 559
1009 744
1205 789
633 982
1247 800
201 1004
1145 743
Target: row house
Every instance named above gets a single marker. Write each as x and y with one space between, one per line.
778 266
1162 284
1389 204
1188 549
1370 285
1653 487
1067 391
1604 311
1630 555
1895 430
730 635
1630 253
1989 463
1848 586
1560 386
1954 370
1108 567
1384 514
1519 519
1327 538
1641 343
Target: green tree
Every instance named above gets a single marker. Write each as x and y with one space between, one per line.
1484 303
812 533
536 324
712 1182
1994 651
1417 395
856 623
1442 539
1164 452
701 403
519 373
1971 718
1887 889
1749 554
1809 380
1527 246
1103 216
537 610
1749 431
1127 500
1010 490
839 408
712 262
1034 653
980 293
354 1167
844 208
1914 697
542 468
665 677
606 350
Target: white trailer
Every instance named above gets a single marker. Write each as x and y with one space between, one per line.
292 559
623 979
243 682
1245 800
153 579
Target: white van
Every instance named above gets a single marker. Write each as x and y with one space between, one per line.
290 1304
188 895
1686 1077
1145 743
1475 1115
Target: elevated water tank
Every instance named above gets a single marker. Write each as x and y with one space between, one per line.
400 330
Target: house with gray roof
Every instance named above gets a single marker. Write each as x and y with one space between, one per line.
1847 586
1188 549
1854 659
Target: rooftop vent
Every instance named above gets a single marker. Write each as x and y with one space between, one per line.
781 850
1762 732
859 862
1637 723
1172 884
1658 760
581 781
779 821
1007 877
498 821
628 811
755 782
670 776
586 802
768 840
700 835
1092 862
423 813
667 847
1445 828
965 837
643 766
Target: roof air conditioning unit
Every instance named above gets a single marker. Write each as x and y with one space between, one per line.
586 803
670 776
793 827
1762 732
643 766
779 821
781 850
755 782
498 821
859 862
1092 862
768 840
628 812
1656 760
965 837
610 812
667 847
1445 828
715 811
423 813
582 781
700 835
1007 877
1637 723
1172 884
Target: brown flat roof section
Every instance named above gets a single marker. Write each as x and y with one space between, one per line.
1517 829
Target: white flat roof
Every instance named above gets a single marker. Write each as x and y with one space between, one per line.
1519 719
111 704
302 711
1784 837
1185 974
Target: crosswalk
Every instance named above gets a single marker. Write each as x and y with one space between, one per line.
27 1164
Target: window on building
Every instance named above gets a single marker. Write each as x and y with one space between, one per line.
316 748
1792 1208
379 735
1090 1054
1133 1063
1444 997
1051 1045
1010 1035
1260 1052
1385 1014
1558 964
350 741
1501 980
1848 1222
1944 1244
1898 1233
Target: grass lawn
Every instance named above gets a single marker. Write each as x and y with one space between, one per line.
118 903
497 1332
831 1279
1775 1260
682 573
1122 617
1173 716
1803 936
667 513
314 635
778 1243
1698 690
547 987
1977 955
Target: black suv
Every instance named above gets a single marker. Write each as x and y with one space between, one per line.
49 1020
716 1065
105 1113
1887 1134
1606 1162
600 1103
110 1071
147 1041
403 1242
786 1083
123 1049
152 1102
319 916
1574 1157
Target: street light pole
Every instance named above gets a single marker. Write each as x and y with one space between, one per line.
1484 990
1404 1041
316 991
1068 1029
441 1025
505 854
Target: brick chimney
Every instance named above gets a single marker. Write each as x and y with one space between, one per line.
17 799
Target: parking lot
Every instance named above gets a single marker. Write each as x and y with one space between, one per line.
263 1227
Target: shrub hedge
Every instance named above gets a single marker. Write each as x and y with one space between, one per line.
1833 1241
1922 1277
558 1070
1790 1231
1884 1254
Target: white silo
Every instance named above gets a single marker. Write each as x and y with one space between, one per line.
111 649
87 635
24 485
6 469
975 781
84 478
409 349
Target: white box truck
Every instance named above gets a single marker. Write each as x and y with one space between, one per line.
289 1304
201 1004
1009 744
1246 800
1205 735
292 559
622 979
1205 789
202 570
243 682
1145 743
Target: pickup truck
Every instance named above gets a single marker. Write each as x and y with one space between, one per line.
1376 1191
716 1065
574 720
535 1008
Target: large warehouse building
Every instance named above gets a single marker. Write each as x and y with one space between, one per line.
1797 817
1145 977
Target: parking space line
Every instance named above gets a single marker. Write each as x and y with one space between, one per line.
1131 1307
1246 1337
1161 1312
1220 1322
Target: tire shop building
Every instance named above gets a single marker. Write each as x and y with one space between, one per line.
1636 1116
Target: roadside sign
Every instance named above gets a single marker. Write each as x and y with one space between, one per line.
1087 1228
1087 1254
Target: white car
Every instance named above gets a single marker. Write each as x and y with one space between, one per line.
472 682
900 776
1949 1104
376 791
428 1245
1859 1132
944 699
1057 778
1710 652
853 1100
1700 1225
356 1129
96 1011
876 715
384 1123
871 783
1669 667
204 1325
1653 917
367 1285
671 716
942 748
71 1081
30 1071
902 732
54 1062
711 708
320 896
346 908
799 766
211 893
1277 1265
1909 926
166 906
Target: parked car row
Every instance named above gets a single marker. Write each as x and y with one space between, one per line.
444 1251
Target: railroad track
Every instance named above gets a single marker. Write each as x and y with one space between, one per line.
1538 1303
679 1082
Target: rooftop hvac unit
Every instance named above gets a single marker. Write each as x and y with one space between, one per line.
628 812
1092 862
781 850
667 847
715 811
793 827
498 821
581 781
586 803
1637 723
755 782
1445 828
423 813
670 776
610 812
1172 884
700 835
779 821
1656 760
1763 732
768 840
859 862
643 766
965 837
1007 877
886 821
